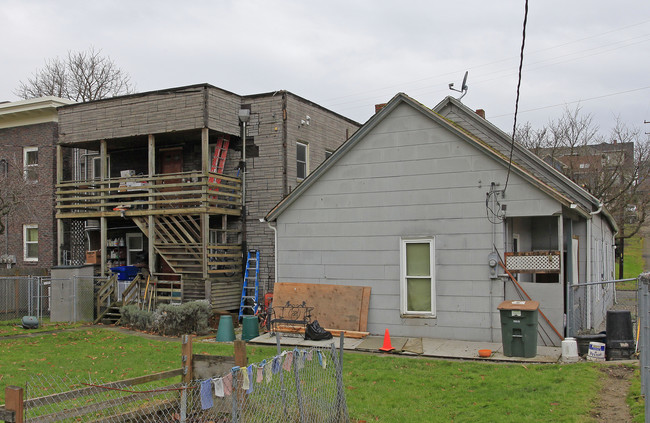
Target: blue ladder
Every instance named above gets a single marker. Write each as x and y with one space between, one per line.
249 294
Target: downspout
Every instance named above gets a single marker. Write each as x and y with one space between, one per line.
589 264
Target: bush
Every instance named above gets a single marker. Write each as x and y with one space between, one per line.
190 317
135 318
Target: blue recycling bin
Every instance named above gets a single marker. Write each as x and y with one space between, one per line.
125 273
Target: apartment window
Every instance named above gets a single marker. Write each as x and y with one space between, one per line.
30 163
30 241
302 160
417 281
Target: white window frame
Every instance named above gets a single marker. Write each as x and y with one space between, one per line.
30 167
432 275
26 256
306 162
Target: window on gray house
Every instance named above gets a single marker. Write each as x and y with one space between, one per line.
417 281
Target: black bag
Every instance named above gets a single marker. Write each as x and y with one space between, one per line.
314 332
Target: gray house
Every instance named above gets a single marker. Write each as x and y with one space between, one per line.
426 207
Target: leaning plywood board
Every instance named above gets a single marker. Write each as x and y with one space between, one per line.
335 306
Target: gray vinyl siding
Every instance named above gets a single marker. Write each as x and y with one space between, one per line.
408 177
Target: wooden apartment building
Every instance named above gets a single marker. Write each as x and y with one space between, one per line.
158 181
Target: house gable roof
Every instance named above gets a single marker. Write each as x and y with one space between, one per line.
493 142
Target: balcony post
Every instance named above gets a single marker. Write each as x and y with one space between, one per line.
151 169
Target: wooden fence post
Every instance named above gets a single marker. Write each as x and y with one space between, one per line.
14 402
186 352
240 354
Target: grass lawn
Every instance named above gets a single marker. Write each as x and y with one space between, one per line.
378 388
633 262
14 327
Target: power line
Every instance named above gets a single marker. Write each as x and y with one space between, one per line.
514 124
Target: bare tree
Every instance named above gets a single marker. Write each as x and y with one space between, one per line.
15 191
616 172
81 76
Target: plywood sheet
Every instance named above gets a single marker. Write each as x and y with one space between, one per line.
342 307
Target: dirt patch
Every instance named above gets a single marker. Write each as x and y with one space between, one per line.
611 406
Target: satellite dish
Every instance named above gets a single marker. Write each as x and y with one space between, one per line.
463 86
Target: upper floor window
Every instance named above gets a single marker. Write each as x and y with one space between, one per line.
30 242
302 160
30 163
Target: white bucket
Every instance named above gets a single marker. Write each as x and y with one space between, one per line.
570 349
596 351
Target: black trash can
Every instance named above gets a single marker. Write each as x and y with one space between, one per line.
519 328
620 335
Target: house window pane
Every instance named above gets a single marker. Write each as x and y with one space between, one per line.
301 160
30 163
418 294
417 259
417 279
30 239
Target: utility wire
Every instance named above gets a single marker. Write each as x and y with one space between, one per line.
514 124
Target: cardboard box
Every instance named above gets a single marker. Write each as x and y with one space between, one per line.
93 257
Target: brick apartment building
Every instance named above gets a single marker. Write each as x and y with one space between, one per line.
28 136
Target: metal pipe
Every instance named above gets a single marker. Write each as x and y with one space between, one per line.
602 282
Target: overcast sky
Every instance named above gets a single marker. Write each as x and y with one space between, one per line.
350 55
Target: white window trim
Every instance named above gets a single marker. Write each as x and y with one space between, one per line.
403 297
25 243
306 159
27 167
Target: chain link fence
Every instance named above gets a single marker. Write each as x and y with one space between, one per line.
24 296
299 385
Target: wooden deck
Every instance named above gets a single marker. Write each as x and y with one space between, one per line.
168 194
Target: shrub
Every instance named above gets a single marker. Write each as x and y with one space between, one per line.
175 320
135 318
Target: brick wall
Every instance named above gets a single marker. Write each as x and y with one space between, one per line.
39 206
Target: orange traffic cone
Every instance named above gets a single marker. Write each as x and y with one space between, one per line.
387 346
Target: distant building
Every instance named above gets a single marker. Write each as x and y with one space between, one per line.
28 137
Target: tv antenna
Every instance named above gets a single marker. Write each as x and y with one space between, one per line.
463 87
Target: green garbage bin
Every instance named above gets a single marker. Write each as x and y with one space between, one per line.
519 328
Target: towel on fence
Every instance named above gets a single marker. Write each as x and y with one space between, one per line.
206 394
260 375
227 384
321 359
300 359
287 361
249 375
309 355
268 373
218 387
277 363
245 381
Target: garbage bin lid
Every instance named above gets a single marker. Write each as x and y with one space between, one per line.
519 305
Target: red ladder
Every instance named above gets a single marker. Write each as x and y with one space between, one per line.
219 160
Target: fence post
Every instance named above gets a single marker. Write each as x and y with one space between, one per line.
642 319
301 409
283 390
14 402
341 406
235 414
186 352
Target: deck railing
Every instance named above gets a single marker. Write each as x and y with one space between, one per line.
533 262
184 192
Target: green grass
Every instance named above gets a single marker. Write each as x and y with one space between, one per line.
14 327
635 400
633 262
378 388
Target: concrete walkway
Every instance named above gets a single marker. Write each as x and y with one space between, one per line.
426 347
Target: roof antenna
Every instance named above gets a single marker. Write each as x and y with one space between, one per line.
463 88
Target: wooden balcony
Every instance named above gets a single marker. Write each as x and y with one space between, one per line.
167 194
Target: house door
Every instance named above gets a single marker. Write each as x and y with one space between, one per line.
171 161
